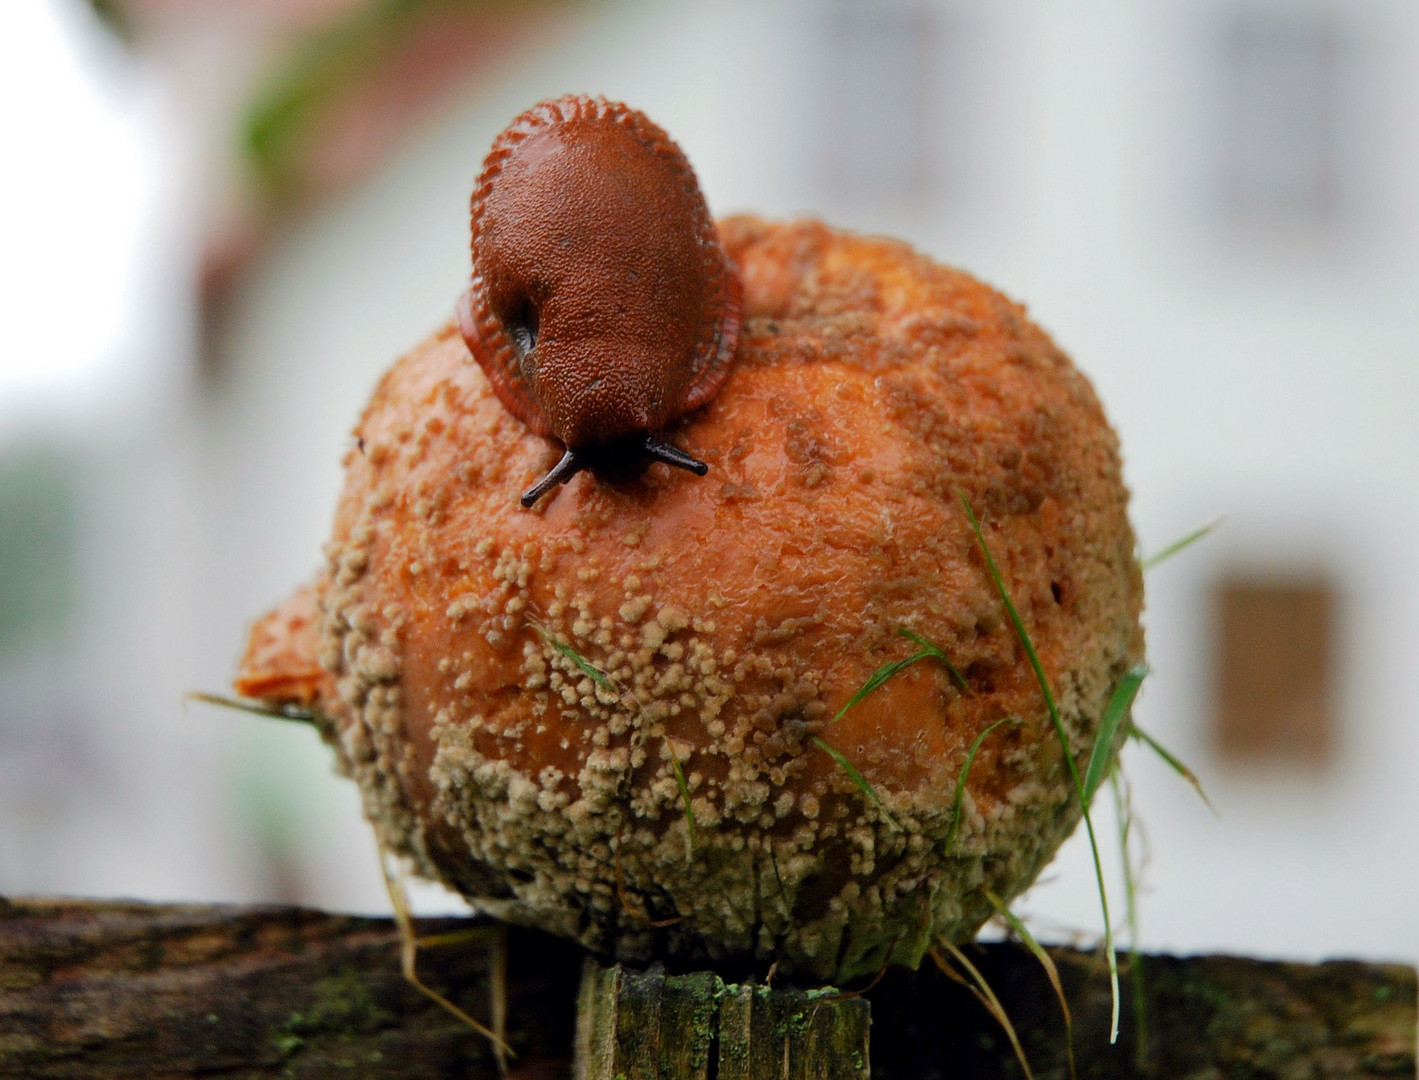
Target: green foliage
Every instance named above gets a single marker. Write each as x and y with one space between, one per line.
585 666
961 780
1063 736
932 649
684 787
281 122
878 678
307 89
876 681
1171 761
884 674
1123 812
856 777
293 713
1115 712
1177 545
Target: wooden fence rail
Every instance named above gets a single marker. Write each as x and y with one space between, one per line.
104 990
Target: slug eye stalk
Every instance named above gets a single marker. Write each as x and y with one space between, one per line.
571 464
672 455
578 458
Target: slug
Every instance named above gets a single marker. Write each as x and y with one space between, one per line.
602 306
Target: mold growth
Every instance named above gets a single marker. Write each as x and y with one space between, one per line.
632 715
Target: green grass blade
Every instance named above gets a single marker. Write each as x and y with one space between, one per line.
1172 762
585 666
1046 962
1063 737
878 677
936 651
856 777
1180 543
961 780
685 797
1114 714
1123 812
891 670
293 713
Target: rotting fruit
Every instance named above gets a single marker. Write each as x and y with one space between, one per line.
520 694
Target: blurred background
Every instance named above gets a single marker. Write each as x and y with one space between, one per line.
220 220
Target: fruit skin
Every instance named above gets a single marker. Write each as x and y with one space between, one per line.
735 617
602 305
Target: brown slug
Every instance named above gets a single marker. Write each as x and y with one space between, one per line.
602 306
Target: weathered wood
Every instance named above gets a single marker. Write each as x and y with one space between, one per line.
786 1034
109 990
640 1026
650 1026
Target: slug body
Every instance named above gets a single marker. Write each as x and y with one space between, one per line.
602 307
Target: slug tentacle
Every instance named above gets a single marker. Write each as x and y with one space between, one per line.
576 460
571 464
672 455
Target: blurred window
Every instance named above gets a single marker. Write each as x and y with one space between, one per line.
1278 153
37 548
879 104
1275 670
